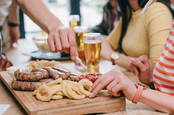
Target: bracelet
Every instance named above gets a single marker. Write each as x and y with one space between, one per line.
138 93
11 24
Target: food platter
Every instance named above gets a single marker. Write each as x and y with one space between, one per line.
103 103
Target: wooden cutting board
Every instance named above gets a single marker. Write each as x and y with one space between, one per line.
103 103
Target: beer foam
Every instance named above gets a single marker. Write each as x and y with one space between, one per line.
81 29
92 41
92 35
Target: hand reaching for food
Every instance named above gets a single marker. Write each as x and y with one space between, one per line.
115 82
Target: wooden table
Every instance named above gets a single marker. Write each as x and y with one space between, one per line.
14 54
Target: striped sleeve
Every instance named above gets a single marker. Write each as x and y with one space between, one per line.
163 75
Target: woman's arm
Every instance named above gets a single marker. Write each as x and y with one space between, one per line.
107 50
123 61
111 42
115 81
158 100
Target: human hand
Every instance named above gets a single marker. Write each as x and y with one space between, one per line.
125 61
4 63
63 40
14 35
114 81
145 70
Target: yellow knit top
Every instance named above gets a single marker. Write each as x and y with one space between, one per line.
146 33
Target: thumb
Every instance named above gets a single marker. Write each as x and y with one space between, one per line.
135 71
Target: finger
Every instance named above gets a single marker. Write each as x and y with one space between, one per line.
73 46
143 59
116 90
74 54
112 84
103 83
95 84
134 67
57 43
135 71
138 64
51 43
64 39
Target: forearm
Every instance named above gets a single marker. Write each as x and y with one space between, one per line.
158 100
123 61
40 14
13 13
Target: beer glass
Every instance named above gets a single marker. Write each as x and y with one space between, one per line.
79 32
73 22
92 48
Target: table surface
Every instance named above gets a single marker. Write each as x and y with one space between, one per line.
15 55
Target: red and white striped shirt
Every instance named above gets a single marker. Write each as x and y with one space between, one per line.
163 75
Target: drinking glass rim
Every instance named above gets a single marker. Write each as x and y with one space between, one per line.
81 29
74 18
92 35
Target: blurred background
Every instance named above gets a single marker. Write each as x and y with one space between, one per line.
90 11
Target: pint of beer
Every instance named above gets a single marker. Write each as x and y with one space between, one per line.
80 31
92 48
73 22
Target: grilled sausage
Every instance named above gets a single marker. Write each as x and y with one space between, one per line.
28 86
31 76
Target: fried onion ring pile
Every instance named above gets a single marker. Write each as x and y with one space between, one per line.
59 88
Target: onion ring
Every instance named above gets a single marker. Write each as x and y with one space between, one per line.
85 84
43 93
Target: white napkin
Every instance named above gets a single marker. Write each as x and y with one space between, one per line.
106 66
3 108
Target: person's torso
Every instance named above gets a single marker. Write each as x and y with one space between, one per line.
135 42
163 75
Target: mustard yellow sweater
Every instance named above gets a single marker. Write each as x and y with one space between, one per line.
146 34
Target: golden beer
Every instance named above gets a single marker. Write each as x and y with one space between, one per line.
92 48
73 22
80 31
44 33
